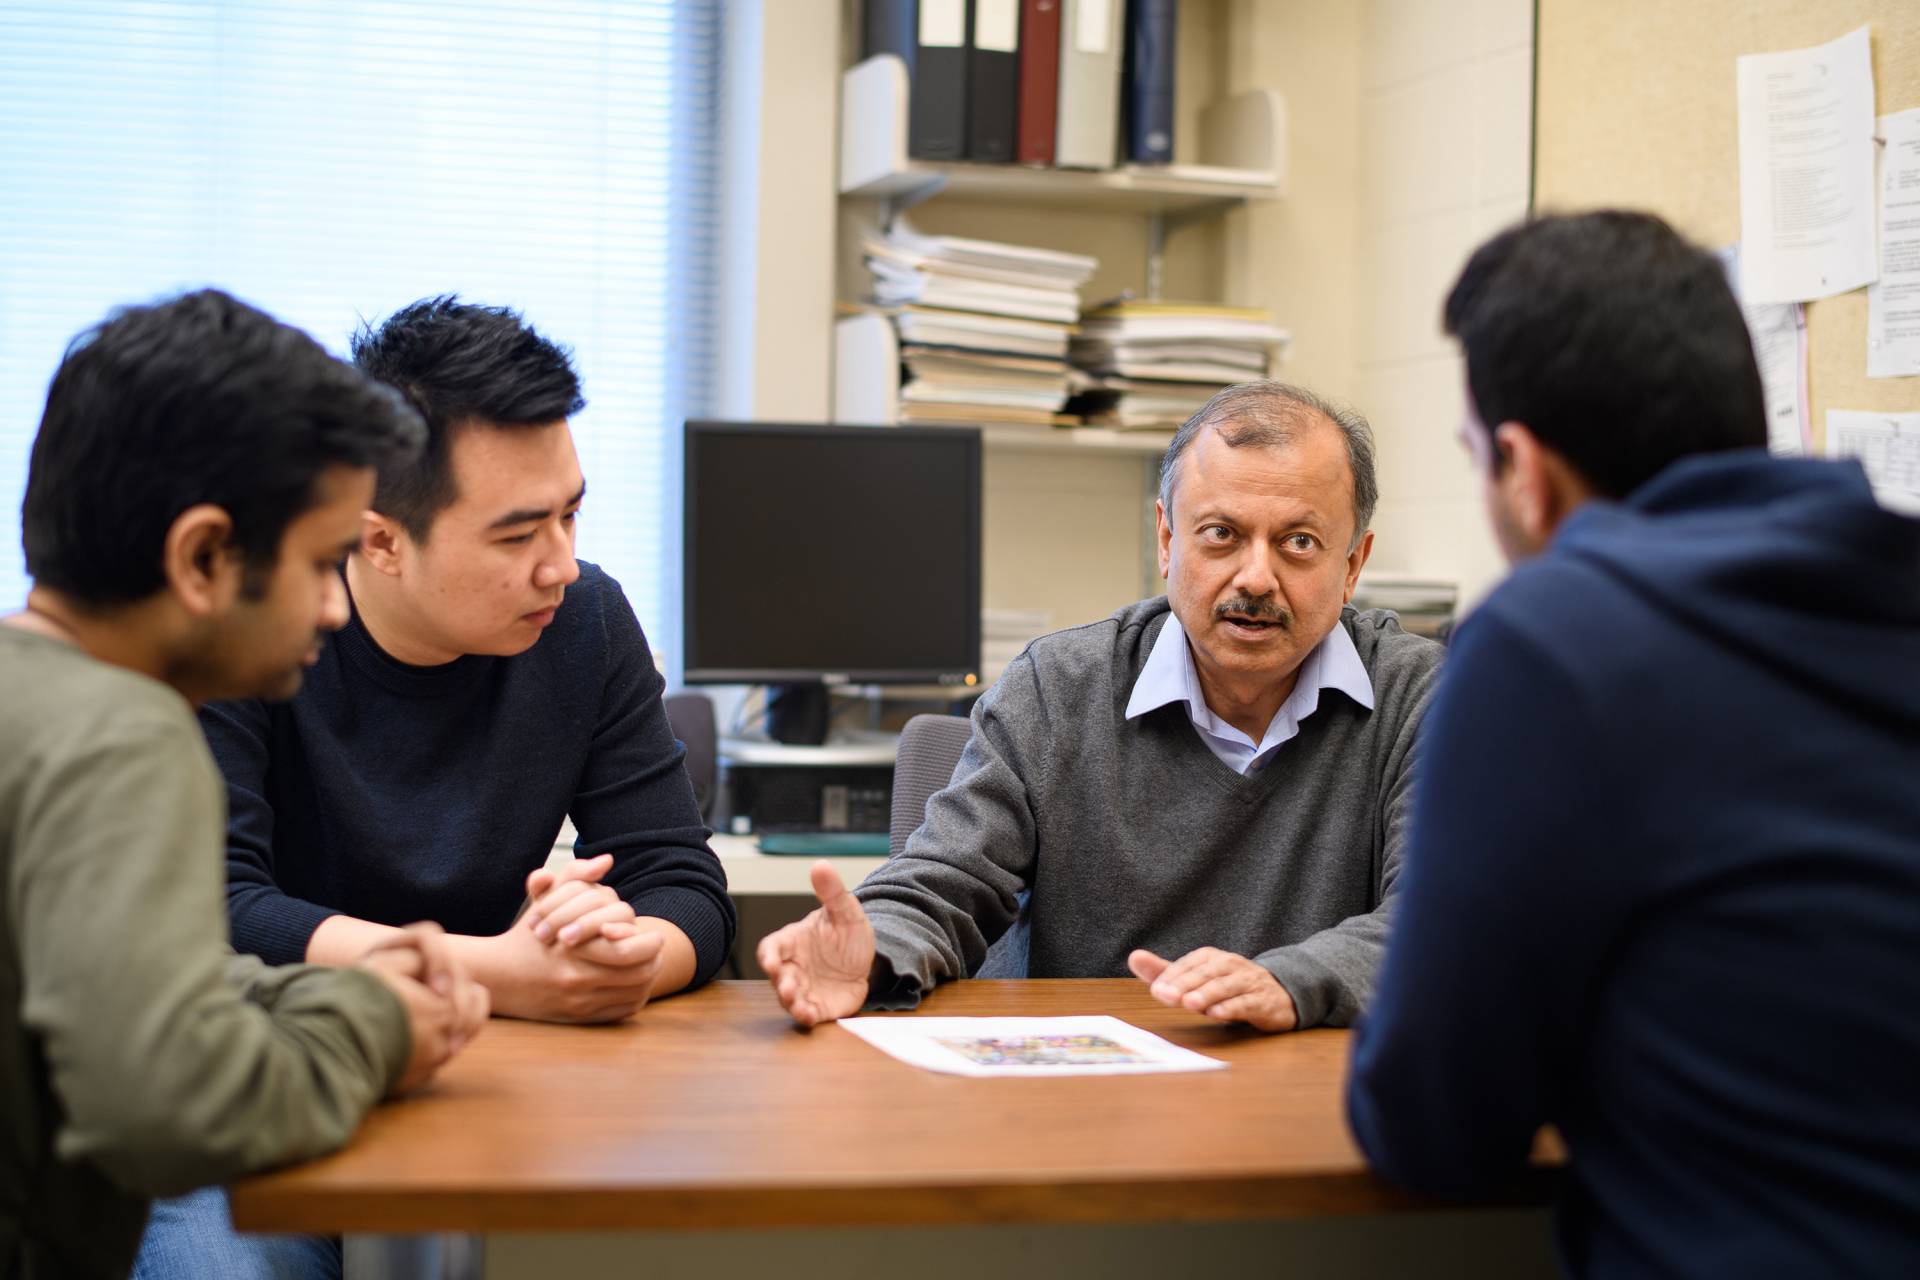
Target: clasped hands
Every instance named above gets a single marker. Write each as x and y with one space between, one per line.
578 954
445 1007
820 967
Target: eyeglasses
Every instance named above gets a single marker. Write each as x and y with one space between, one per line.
1477 441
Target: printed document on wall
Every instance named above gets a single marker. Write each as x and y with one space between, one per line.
1893 302
1806 171
1888 445
1779 332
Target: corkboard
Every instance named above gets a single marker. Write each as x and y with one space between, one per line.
1635 107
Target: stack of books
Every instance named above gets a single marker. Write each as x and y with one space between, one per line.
1152 364
983 327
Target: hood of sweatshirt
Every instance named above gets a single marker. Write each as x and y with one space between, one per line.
1788 559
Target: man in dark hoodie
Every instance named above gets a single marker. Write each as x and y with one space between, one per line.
1663 890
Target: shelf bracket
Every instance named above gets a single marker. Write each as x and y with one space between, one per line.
1159 223
1156 255
898 202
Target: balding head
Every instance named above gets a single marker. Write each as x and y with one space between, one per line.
1272 415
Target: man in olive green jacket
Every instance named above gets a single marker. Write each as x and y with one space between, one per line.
198 475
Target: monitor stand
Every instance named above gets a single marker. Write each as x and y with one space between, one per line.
797 713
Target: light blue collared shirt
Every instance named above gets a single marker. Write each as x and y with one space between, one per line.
1169 676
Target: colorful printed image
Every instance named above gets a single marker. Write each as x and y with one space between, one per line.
1042 1051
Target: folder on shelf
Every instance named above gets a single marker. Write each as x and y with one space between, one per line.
1152 26
993 79
930 36
1089 104
1037 117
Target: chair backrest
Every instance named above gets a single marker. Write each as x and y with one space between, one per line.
691 717
930 747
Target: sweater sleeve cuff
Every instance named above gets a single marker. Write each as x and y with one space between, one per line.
357 997
279 932
706 923
900 976
887 990
392 1031
1311 985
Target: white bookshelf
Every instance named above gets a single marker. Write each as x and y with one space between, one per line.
1236 155
1242 158
1076 439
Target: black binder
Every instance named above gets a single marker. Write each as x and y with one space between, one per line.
936 72
993 79
1152 26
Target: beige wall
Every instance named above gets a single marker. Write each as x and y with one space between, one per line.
1300 255
1446 147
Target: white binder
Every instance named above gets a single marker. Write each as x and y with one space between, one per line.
1089 107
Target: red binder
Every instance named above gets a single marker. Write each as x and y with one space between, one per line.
1039 80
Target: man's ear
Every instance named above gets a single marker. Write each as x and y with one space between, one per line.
381 539
200 562
1356 561
1165 535
1532 477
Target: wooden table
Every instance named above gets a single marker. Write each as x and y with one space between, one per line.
713 1111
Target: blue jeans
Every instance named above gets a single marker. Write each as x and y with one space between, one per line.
192 1238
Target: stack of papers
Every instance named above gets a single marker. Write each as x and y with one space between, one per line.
983 326
1152 364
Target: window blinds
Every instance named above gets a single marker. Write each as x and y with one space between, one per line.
333 161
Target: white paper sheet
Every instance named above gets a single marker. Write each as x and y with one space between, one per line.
1078 1046
1893 302
1888 445
1779 332
1806 171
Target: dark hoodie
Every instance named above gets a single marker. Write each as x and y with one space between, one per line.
1663 890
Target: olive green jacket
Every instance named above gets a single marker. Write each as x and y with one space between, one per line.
138 1056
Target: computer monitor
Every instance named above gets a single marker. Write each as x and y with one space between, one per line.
817 555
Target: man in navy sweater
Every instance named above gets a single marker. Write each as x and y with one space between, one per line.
486 687
1664 884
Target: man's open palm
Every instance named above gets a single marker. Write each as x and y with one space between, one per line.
819 966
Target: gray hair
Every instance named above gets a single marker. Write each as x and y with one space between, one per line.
1268 414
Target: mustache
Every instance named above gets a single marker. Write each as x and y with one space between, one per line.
1261 609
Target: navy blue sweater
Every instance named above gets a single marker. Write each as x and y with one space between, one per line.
398 793
1663 889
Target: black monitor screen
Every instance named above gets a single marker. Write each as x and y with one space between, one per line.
831 551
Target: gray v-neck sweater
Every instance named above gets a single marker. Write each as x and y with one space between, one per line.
1131 833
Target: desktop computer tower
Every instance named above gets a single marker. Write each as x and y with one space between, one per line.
766 799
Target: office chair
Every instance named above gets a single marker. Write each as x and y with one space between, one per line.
690 715
930 748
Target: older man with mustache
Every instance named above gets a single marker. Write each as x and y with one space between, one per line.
1209 789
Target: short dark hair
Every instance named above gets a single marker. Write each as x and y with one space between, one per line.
1613 340
1268 413
197 399
460 365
